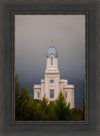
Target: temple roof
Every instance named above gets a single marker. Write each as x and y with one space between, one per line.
52 51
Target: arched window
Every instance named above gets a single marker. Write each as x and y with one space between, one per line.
51 60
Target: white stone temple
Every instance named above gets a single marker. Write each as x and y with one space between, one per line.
51 85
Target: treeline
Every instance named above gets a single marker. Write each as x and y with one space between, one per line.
28 109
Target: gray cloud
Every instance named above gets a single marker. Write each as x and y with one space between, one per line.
32 40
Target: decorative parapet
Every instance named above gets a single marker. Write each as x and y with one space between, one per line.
42 80
51 72
63 81
68 86
37 86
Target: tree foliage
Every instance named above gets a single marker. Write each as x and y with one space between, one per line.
27 108
61 108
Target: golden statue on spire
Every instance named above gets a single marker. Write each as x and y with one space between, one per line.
51 40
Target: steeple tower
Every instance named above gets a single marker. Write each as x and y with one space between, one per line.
52 75
52 59
51 85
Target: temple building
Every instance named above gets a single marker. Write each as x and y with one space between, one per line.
51 85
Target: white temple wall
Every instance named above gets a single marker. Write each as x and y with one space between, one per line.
54 86
70 96
36 91
42 89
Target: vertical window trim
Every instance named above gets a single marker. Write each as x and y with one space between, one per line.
51 60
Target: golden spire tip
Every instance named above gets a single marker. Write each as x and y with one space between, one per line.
51 40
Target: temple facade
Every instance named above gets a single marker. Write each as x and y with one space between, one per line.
51 85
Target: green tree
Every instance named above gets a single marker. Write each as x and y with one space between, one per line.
76 114
68 113
51 111
21 104
60 107
21 101
42 109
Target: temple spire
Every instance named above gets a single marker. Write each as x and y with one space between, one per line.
51 40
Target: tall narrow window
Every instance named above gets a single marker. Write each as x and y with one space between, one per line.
51 93
38 95
65 94
51 60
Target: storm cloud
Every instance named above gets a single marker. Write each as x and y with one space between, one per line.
32 40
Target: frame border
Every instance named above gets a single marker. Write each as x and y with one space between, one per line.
93 126
86 67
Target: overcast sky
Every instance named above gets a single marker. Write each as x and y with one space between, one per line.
32 40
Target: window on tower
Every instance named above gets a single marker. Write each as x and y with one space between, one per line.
51 81
51 60
51 93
